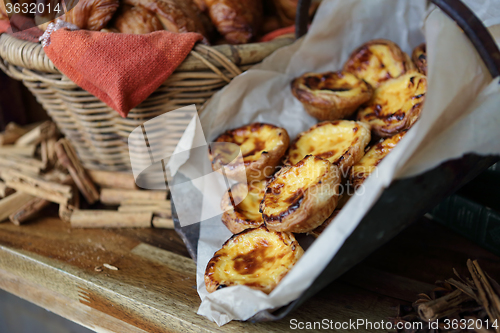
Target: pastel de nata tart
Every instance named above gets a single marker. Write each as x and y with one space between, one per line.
342 142
257 258
300 197
246 214
368 164
377 61
396 104
419 57
331 95
262 147
342 201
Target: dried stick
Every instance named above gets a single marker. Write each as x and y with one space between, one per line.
112 179
15 150
12 132
163 223
34 136
12 203
38 187
443 306
112 196
109 219
5 190
488 299
28 210
67 156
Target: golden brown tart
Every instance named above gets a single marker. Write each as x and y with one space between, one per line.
396 104
175 15
246 213
300 197
419 57
90 14
257 258
331 95
136 20
342 142
368 164
262 147
237 21
377 61
342 201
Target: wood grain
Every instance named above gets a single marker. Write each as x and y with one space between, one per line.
154 288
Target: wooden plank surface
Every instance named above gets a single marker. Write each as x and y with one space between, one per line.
154 288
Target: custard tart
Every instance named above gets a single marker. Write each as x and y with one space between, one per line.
342 201
246 214
419 57
300 197
368 164
377 61
342 142
331 95
257 258
396 105
262 147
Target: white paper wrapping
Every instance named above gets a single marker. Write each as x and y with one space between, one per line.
460 115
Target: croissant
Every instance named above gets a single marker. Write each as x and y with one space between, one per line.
175 15
90 14
287 10
136 20
3 11
237 21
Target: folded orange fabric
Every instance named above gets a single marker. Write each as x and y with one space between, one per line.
122 70
277 33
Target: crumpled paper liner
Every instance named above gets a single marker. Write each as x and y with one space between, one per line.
459 116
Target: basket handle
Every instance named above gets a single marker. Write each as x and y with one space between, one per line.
477 33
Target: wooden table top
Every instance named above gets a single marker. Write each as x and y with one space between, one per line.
154 289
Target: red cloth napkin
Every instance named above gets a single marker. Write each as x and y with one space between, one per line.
122 70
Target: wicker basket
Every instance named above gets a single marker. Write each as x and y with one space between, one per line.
98 133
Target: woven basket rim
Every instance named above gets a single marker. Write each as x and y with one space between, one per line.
31 55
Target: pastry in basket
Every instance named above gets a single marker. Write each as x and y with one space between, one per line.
287 10
342 142
368 164
300 197
262 147
3 10
419 57
136 20
331 95
175 15
90 14
244 215
377 61
238 21
257 258
396 104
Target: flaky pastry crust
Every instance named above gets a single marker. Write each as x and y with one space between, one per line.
238 21
136 20
331 95
368 164
377 61
342 142
419 57
257 258
300 197
396 105
245 214
262 146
